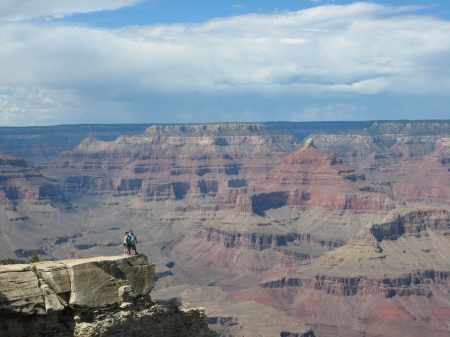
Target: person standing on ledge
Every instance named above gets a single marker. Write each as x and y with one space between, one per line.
132 241
126 245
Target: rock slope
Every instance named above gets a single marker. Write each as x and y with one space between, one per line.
22 182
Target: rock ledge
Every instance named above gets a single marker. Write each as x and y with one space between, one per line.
90 297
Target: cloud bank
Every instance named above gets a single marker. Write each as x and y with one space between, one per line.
17 10
285 66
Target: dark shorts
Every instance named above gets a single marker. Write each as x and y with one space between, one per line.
132 246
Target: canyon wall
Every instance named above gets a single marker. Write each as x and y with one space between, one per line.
254 226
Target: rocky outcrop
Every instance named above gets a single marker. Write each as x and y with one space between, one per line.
97 296
415 223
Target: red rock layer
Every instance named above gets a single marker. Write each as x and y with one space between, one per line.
309 178
172 161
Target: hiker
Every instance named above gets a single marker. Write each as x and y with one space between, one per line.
133 242
126 244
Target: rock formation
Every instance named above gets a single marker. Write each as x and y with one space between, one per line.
43 143
92 297
310 178
423 179
172 162
394 275
236 213
411 157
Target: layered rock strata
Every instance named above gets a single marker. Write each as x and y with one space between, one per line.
421 179
410 157
404 259
18 181
172 161
97 296
308 178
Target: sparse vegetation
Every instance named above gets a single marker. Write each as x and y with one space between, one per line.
32 259
36 272
11 261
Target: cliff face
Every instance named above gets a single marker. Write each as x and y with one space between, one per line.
408 138
421 179
98 296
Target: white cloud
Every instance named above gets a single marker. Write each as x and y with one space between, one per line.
19 106
16 10
329 51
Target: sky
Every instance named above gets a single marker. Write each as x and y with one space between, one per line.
178 61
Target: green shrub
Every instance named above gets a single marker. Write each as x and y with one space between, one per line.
34 258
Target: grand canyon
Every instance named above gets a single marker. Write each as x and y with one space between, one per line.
275 229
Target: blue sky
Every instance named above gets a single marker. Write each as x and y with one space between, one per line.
173 61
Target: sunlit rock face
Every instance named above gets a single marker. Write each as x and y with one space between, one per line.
97 296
